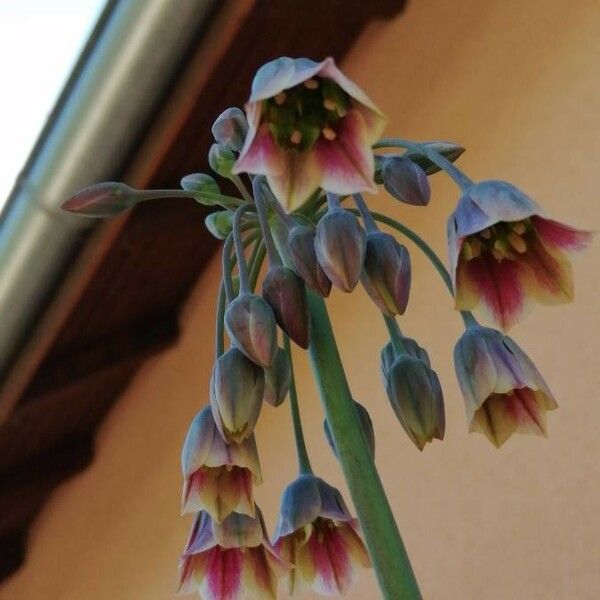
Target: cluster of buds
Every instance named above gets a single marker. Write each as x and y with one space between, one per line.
306 141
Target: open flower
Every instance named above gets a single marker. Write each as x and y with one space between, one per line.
309 127
504 392
504 253
231 560
219 477
317 534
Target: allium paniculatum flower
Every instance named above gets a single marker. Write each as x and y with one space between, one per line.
504 392
232 560
319 537
503 253
219 477
309 127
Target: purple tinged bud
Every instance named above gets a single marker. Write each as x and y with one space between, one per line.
286 294
251 325
301 247
220 223
415 394
237 389
386 273
221 160
231 128
367 428
277 379
406 181
340 244
106 199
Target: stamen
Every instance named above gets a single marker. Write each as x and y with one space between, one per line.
497 254
467 250
486 234
311 84
517 242
502 248
296 137
280 98
329 104
328 133
519 228
476 247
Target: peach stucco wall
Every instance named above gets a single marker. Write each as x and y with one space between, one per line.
517 82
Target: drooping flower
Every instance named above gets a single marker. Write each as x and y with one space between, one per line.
503 253
309 127
230 560
219 477
319 537
504 392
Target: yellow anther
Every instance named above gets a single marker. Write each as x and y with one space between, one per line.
311 84
476 247
329 104
502 248
517 242
328 133
519 228
497 254
280 98
296 136
467 251
486 234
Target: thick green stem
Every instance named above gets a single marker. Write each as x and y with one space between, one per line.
301 452
390 561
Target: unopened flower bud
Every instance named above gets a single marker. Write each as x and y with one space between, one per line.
203 185
231 128
220 223
237 388
415 394
221 160
286 294
409 346
340 244
250 323
103 200
277 379
301 247
386 273
406 181
367 429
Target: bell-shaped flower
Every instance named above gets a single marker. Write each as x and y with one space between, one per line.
340 244
386 273
219 477
250 322
286 295
503 253
319 537
232 560
414 391
237 387
504 392
309 127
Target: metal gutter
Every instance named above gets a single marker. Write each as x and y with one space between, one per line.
135 50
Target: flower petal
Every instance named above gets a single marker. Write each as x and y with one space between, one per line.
223 575
559 235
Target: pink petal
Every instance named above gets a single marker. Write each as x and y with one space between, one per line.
260 579
347 161
261 155
223 574
497 283
559 235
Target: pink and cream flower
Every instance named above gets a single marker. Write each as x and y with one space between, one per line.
231 560
504 253
309 127
219 476
319 537
504 392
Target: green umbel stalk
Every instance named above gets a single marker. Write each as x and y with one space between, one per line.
390 561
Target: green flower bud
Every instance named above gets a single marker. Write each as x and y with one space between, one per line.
231 128
201 183
221 160
220 223
286 294
277 379
237 388
251 325
302 254
367 428
340 244
386 273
